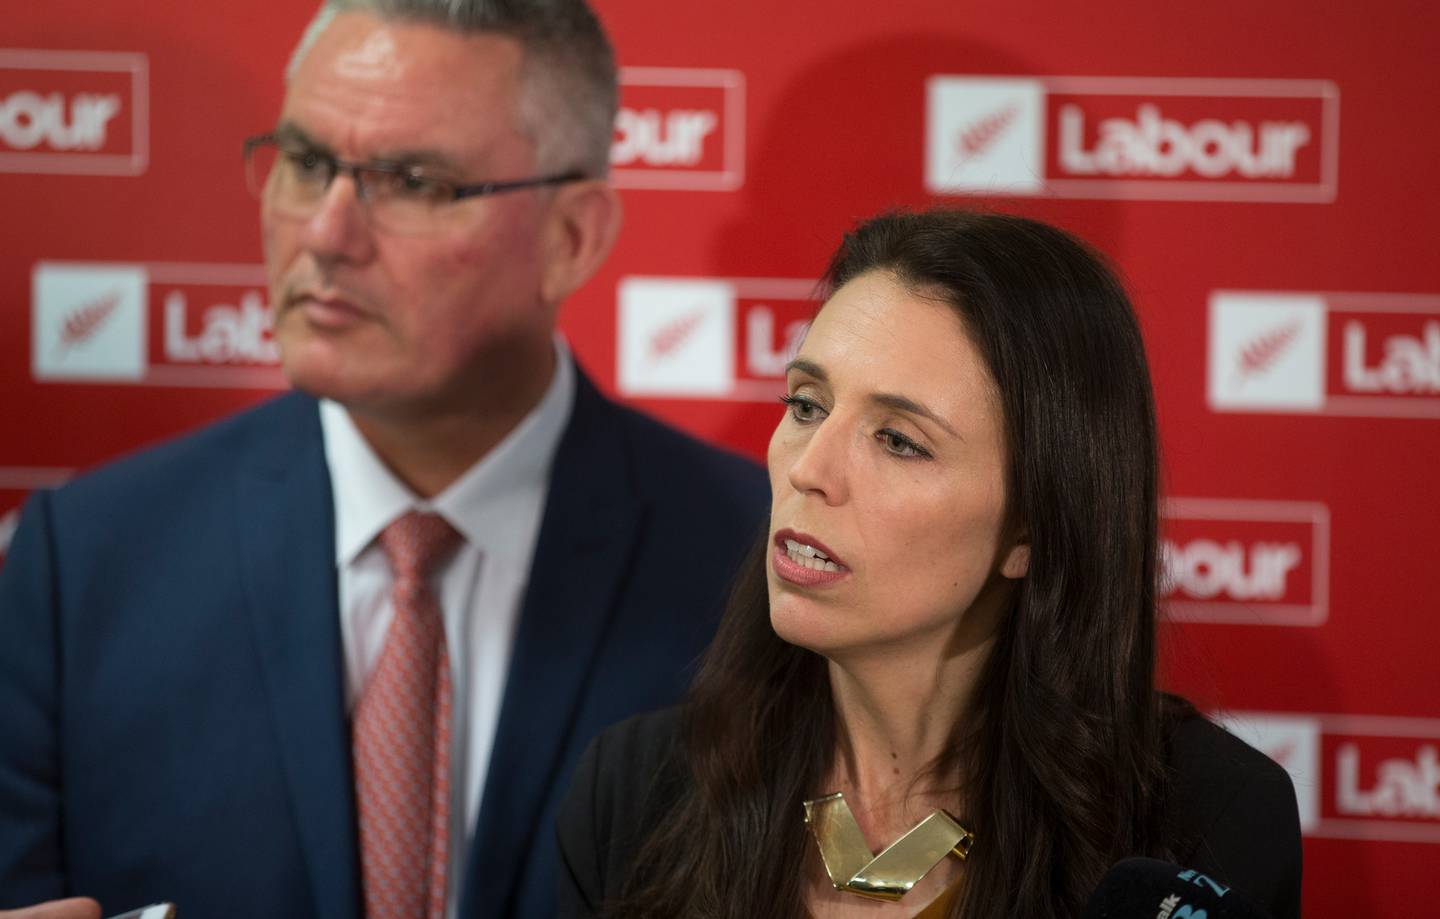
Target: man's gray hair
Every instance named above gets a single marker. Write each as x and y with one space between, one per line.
568 92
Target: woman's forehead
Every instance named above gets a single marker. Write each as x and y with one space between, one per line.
876 321
876 335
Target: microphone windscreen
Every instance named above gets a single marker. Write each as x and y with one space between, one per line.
1145 888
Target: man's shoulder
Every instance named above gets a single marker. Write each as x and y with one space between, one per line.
668 460
269 431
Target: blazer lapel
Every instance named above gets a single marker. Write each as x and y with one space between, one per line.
287 551
590 525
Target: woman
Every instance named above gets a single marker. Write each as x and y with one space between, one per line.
953 614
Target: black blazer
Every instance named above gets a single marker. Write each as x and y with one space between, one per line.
172 713
1234 812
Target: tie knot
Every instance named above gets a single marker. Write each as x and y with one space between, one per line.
416 543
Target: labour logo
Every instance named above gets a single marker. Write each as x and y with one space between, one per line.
1267 351
712 338
1335 354
679 128
676 337
1246 562
985 135
76 112
1132 137
89 322
160 324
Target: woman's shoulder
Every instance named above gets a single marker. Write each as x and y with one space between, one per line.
629 764
1234 814
639 739
1213 764
629 777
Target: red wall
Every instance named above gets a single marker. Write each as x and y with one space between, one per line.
1285 273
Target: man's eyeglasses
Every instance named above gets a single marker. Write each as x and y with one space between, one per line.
292 179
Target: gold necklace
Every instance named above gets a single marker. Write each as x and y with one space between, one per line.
891 874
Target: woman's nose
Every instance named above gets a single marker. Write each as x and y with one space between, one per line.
818 466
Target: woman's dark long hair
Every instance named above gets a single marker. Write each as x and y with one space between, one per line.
1061 751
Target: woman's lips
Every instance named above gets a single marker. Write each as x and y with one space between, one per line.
801 559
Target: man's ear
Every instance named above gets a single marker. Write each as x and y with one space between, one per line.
580 229
1016 562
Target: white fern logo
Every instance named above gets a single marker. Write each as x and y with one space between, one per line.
1266 351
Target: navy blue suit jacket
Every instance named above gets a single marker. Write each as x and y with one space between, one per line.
172 717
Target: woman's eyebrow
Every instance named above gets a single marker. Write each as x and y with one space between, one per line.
889 400
910 406
809 368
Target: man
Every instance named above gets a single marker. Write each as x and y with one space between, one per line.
224 676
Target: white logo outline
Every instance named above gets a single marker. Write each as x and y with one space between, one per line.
222 274
136 64
1327 403
731 175
732 388
1322 191
1243 510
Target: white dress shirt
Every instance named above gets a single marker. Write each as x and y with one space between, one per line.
496 506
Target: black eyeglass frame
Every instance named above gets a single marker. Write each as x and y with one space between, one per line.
457 192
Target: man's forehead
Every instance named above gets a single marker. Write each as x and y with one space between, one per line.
374 58
362 46
370 86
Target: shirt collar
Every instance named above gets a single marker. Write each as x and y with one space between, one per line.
368 496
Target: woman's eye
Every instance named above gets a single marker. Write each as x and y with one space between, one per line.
801 409
900 445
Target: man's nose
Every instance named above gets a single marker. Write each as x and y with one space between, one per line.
339 229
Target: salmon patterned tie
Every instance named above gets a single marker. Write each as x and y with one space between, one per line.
402 735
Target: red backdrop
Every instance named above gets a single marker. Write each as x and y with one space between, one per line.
1260 172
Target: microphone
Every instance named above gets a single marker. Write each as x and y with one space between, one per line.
1145 888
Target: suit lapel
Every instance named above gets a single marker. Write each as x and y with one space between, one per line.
591 521
287 553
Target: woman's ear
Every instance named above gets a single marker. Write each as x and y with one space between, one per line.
1016 562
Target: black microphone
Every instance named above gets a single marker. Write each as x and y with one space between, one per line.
1145 888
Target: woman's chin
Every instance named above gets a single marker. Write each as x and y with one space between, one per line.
796 628
807 625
